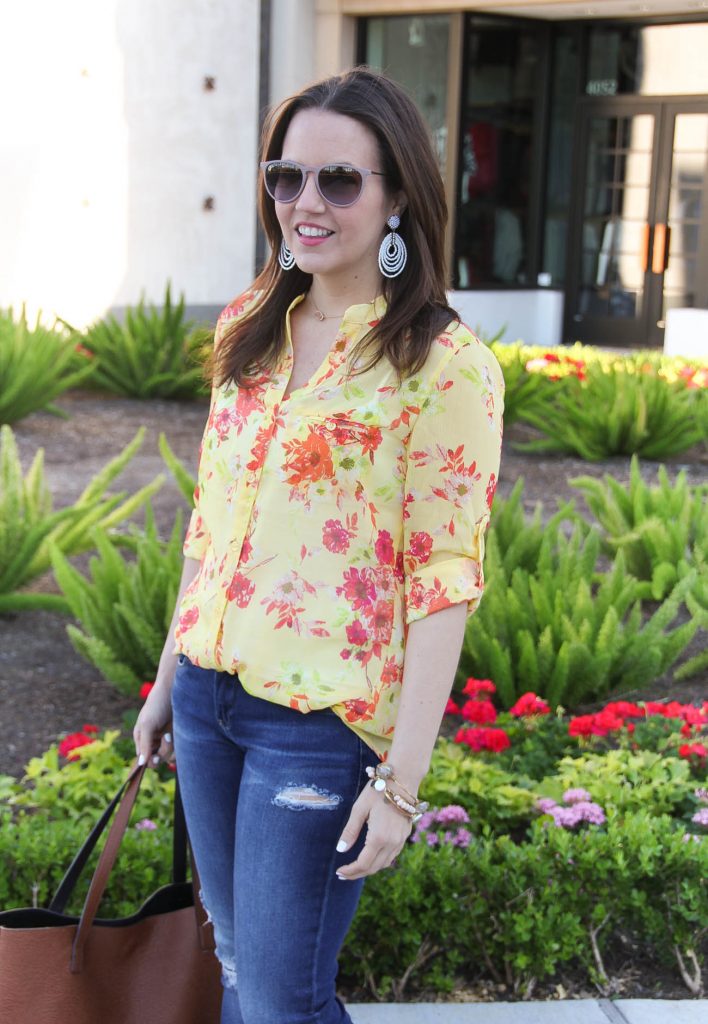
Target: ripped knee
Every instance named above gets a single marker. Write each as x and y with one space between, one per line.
228 973
209 918
228 965
306 798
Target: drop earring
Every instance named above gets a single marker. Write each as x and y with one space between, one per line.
285 257
392 253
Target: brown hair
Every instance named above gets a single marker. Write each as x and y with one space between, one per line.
417 309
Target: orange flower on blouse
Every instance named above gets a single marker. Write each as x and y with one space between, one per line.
326 522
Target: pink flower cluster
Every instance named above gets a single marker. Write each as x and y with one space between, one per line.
428 827
579 808
146 825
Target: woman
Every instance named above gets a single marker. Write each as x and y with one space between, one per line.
346 475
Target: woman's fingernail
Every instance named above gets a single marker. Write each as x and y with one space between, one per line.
168 737
141 760
342 878
342 845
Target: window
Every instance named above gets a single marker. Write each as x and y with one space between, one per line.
501 93
414 52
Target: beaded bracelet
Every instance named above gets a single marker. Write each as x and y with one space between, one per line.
380 776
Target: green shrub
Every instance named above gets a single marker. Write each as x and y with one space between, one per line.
29 527
625 781
543 627
662 530
80 788
155 353
523 390
697 604
518 914
125 609
36 365
46 817
493 797
619 410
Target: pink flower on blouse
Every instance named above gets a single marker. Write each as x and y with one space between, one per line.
359 588
335 536
421 545
384 548
380 619
356 634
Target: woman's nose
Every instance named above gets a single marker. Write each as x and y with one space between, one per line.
309 198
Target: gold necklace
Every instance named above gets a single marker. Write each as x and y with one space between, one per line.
319 315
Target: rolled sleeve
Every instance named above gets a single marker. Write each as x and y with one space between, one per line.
454 453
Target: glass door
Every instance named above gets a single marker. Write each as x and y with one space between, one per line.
610 281
639 226
679 261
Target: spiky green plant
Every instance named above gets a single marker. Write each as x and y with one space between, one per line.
619 410
154 353
125 608
183 478
662 530
546 628
697 604
523 390
29 527
36 365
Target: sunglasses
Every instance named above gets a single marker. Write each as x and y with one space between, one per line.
338 184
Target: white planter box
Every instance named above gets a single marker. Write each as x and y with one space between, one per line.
686 333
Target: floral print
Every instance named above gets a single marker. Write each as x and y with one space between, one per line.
326 522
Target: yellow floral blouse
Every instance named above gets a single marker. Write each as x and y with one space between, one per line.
326 522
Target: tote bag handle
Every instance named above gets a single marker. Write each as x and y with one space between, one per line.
179 849
124 800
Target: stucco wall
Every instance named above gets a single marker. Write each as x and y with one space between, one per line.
110 144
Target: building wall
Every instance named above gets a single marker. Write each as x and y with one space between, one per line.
111 145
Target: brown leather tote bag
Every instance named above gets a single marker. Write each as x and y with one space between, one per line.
156 967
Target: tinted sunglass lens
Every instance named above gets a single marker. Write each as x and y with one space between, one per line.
340 186
283 182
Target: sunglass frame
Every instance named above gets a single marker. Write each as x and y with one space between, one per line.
306 169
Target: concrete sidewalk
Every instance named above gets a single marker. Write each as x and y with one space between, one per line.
567 1011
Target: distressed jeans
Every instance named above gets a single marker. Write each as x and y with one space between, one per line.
267 791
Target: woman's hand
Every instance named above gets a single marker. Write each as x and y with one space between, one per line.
152 741
387 832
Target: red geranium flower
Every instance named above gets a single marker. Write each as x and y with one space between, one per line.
451 708
493 740
481 712
74 740
529 704
145 690
697 750
475 686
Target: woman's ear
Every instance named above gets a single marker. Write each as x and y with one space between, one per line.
400 202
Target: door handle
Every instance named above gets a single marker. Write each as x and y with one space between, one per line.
644 252
660 254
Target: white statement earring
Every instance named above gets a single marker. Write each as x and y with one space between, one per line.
392 253
285 257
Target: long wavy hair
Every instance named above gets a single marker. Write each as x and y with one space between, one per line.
417 309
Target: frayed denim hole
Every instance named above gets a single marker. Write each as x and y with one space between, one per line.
306 798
